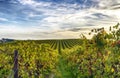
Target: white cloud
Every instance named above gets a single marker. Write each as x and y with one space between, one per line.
24 2
3 19
34 3
106 4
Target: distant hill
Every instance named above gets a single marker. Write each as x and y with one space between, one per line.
4 40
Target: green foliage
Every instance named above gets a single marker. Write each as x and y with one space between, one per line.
98 57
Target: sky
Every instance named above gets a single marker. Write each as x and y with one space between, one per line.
55 19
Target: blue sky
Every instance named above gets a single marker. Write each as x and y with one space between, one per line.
54 19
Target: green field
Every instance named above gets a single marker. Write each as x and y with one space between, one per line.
98 57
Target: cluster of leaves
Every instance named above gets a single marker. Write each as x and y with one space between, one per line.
98 57
35 60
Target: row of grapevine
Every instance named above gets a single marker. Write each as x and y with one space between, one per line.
30 52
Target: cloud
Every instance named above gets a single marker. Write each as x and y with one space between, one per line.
3 19
34 3
106 4
78 29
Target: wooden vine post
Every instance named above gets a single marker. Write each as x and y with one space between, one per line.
15 68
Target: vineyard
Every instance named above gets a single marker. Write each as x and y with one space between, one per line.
98 57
